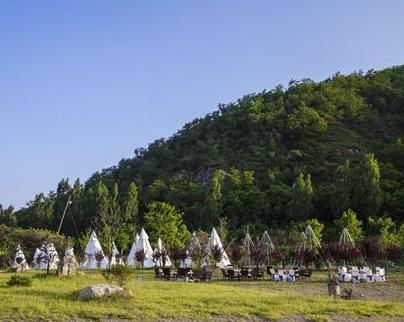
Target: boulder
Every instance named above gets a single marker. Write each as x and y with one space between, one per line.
99 290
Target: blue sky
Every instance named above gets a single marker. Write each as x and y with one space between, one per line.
83 83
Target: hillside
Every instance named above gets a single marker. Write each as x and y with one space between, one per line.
242 160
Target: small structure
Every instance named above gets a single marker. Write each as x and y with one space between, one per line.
46 256
116 256
214 240
94 255
142 244
68 265
20 263
248 247
268 247
160 253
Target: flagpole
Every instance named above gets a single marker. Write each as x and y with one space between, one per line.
64 213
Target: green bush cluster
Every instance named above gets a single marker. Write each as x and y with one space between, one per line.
19 280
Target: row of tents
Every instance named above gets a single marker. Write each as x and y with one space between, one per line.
95 258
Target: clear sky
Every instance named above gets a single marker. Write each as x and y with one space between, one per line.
83 83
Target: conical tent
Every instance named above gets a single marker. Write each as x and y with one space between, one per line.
267 247
346 242
345 239
94 255
193 244
44 255
116 257
159 250
248 247
142 244
311 241
131 260
20 263
214 240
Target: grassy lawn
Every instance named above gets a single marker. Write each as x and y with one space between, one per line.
54 299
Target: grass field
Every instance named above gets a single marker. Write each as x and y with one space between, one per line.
54 299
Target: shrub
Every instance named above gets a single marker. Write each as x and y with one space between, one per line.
19 280
119 274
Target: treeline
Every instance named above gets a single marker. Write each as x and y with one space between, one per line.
272 159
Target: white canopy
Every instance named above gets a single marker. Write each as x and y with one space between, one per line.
192 245
47 253
131 257
94 255
214 240
160 248
142 244
19 259
116 257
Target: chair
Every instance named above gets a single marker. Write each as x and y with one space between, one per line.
279 277
291 276
167 273
182 272
245 273
257 272
296 269
206 276
369 276
158 273
355 277
380 275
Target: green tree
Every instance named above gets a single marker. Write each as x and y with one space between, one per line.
349 220
7 216
300 205
214 200
342 189
317 227
306 120
131 203
111 217
165 221
367 195
385 229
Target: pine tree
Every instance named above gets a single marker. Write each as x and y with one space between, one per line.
300 205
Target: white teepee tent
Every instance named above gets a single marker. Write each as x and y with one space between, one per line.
159 249
214 240
46 253
116 257
131 257
142 244
94 255
20 263
192 245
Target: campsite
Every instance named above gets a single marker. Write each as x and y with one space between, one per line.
201 161
160 288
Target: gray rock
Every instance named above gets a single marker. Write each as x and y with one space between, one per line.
99 290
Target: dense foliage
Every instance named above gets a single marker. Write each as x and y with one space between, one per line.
311 150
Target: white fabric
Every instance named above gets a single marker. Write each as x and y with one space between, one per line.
94 247
142 244
116 258
21 262
43 255
160 248
214 240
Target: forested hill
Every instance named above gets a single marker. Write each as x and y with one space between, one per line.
269 159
